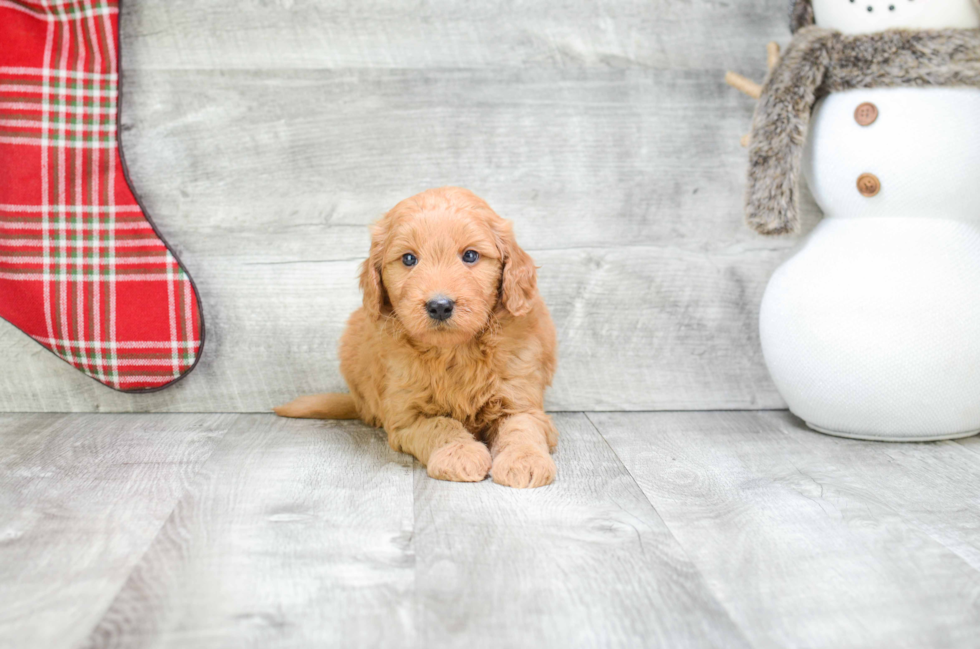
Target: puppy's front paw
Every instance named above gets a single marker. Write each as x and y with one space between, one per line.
523 466
460 462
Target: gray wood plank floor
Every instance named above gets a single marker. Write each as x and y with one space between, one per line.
735 529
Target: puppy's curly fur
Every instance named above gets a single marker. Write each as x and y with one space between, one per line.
466 395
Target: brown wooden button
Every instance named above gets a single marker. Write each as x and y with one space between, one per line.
866 114
868 185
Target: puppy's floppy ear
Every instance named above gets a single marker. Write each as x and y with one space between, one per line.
519 278
375 296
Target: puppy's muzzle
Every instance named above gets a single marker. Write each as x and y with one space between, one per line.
440 308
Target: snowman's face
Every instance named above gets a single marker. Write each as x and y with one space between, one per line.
866 16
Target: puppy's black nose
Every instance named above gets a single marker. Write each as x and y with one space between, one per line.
440 308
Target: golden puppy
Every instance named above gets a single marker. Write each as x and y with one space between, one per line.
453 348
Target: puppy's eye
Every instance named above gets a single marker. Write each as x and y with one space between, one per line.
471 256
409 259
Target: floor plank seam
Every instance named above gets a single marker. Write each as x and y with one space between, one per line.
628 472
920 526
416 600
707 584
191 480
914 521
968 446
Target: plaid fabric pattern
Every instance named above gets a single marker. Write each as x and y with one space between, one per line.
82 271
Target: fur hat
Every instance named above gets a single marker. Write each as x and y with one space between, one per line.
800 14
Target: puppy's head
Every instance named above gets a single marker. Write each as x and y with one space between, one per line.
442 262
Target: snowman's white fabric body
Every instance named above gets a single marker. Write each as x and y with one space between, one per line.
872 328
867 16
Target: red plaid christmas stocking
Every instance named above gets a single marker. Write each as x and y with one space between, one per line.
82 270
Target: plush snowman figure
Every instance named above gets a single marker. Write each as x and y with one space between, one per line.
871 329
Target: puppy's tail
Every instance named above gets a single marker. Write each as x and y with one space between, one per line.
320 406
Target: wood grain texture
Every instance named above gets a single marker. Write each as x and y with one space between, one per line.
264 136
653 280
667 530
810 540
295 534
585 562
441 34
81 498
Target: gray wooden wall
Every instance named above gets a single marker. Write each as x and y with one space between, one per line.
264 135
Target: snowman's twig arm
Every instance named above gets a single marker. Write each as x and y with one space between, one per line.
779 130
749 87
772 55
742 84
